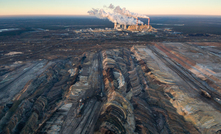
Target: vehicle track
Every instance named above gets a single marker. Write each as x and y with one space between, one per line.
190 80
5 86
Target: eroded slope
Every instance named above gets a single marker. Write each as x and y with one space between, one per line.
154 88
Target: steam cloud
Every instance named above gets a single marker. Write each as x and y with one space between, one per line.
111 6
128 13
121 16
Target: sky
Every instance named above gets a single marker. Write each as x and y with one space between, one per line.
80 7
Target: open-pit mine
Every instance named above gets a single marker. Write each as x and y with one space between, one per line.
117 72
146 88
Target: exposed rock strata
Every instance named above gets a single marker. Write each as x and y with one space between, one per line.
149 89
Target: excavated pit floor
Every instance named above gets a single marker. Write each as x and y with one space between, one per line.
161 87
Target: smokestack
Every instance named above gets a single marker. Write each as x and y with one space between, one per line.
148 22
119 16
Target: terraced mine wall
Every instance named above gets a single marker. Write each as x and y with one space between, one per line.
154 88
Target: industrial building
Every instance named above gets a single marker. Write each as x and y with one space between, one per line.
139 27
136 27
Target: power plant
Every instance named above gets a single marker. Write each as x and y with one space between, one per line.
122 18
132 27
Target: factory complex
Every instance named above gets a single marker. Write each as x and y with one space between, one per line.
123 19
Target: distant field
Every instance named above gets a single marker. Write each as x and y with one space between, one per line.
199 25
186 25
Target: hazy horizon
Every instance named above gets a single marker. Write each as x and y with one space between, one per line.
152 15
72 7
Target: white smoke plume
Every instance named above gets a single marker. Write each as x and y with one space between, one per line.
111 6
114 17
128 13
119 15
